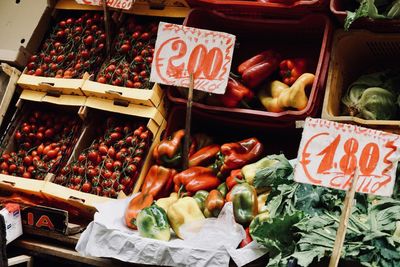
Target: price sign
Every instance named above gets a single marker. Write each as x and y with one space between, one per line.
329 153
182 50
120 4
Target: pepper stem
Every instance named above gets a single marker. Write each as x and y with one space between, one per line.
181 191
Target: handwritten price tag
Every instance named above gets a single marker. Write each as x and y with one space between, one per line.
120 4
329 153
182 50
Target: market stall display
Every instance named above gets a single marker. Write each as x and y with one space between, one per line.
90 137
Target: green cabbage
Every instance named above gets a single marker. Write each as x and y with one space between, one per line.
373 96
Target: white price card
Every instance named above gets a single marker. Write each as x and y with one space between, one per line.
330 151
120 4
181 50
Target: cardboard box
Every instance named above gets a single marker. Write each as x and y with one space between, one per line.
148 97
22 27
28 101
17 184
12 219
155 123
51 85
8 81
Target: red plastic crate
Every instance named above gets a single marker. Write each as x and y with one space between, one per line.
309 37
339 9
223 130
284 9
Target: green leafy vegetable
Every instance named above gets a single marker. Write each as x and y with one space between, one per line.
274 173
367 9
302 221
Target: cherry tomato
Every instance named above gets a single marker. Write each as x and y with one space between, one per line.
52 154
4 166
12 168
27 175
27 160
86 187
92 156
89 40
102 80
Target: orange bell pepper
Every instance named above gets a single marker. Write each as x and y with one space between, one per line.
137 203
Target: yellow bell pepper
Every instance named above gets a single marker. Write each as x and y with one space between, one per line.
184 210
278 96
261 199
166 202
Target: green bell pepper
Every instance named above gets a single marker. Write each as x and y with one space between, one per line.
245 204
223 189
152 222
200 198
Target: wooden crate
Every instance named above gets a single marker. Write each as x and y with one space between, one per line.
155 123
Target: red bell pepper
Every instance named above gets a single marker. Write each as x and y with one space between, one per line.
235 94
204 156
235 175
158 181
236 155
291 69
258 68
247 240
195 179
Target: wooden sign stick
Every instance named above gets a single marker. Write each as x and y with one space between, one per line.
344 221
188 122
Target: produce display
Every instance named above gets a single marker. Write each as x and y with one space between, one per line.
132 55
200 191
311 215
113 161
278 84
74 46
373 9
292 220
42 140
374 96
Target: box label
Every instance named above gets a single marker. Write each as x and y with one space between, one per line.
45 218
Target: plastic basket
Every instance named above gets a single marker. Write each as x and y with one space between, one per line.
354 54
339 9
308 37
284 9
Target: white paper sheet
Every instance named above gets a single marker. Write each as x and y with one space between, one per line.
212 244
